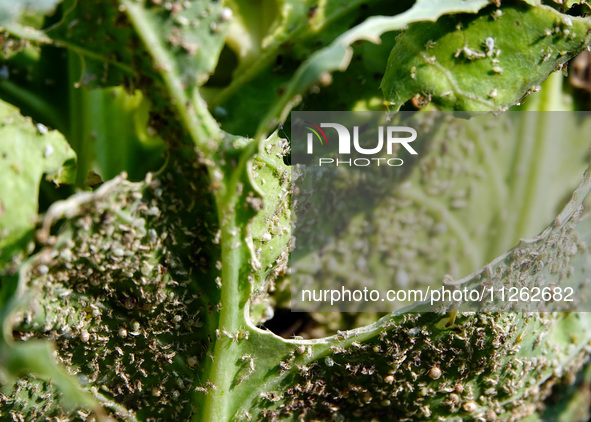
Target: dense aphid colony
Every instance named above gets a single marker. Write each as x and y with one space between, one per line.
485 367
116 298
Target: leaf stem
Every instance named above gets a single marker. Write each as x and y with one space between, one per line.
218 403
207 136
193 111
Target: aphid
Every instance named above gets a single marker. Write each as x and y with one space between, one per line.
192 361
343 334
468 53
226 14
42 129
429 59
419 101
325 79
490 46
435 372
84 336
497 14
491 416
470 406
48 151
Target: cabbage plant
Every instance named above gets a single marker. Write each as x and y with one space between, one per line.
145 209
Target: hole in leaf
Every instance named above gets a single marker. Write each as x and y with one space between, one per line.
222 76
288 324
